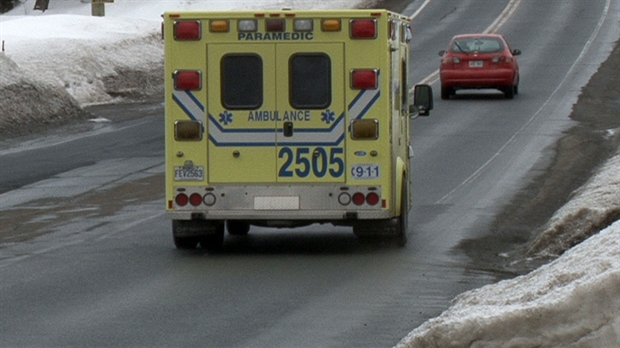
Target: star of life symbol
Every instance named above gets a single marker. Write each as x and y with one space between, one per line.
328 116
226 117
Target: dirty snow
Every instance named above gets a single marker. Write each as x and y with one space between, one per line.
55 62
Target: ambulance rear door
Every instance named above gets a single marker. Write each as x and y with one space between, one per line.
276 113
311 126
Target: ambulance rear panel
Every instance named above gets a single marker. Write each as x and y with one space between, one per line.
289 115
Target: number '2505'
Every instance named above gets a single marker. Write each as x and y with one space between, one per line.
302 162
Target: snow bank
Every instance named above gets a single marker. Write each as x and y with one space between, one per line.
573 301
93 59
25 101
593 207
57 61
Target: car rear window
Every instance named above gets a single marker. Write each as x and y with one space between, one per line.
476 44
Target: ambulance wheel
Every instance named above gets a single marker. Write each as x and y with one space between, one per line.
214 240
181 239
237 228
185 243
403 220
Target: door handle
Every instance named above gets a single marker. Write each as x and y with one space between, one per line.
288 129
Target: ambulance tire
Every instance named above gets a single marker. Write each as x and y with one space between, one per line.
181 239
213 242
387 232
185 243
403 219
237 227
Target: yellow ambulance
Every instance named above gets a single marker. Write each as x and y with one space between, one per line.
285 118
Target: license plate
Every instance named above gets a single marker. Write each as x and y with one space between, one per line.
189 173
365 171
476 64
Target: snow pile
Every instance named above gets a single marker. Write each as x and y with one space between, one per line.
57 61
572 302
595 206
93 59
25 100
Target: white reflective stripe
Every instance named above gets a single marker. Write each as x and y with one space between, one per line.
190 105
264 137
363 102
267 136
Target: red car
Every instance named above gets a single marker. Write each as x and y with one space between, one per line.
479 61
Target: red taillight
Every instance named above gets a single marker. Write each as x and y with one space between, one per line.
195 199
451 60
363 28
275 25
187 30
187 80
502 59
364 78
372 198
181 199
358 198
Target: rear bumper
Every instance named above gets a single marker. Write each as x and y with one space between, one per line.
280 202
476 79
305 215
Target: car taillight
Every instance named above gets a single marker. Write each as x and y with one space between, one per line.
451 60
187 80
187 30
502 59
363 29
364 78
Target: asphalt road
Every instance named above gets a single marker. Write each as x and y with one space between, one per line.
86 256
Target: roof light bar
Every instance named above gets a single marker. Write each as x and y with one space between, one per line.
303 24
275 25
247 25
331 25
219 26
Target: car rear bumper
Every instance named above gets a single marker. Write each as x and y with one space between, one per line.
476 79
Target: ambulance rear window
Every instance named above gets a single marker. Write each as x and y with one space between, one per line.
310 81
242 81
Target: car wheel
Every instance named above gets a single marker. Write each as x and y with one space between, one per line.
509 92
446 92
516 89
237 228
